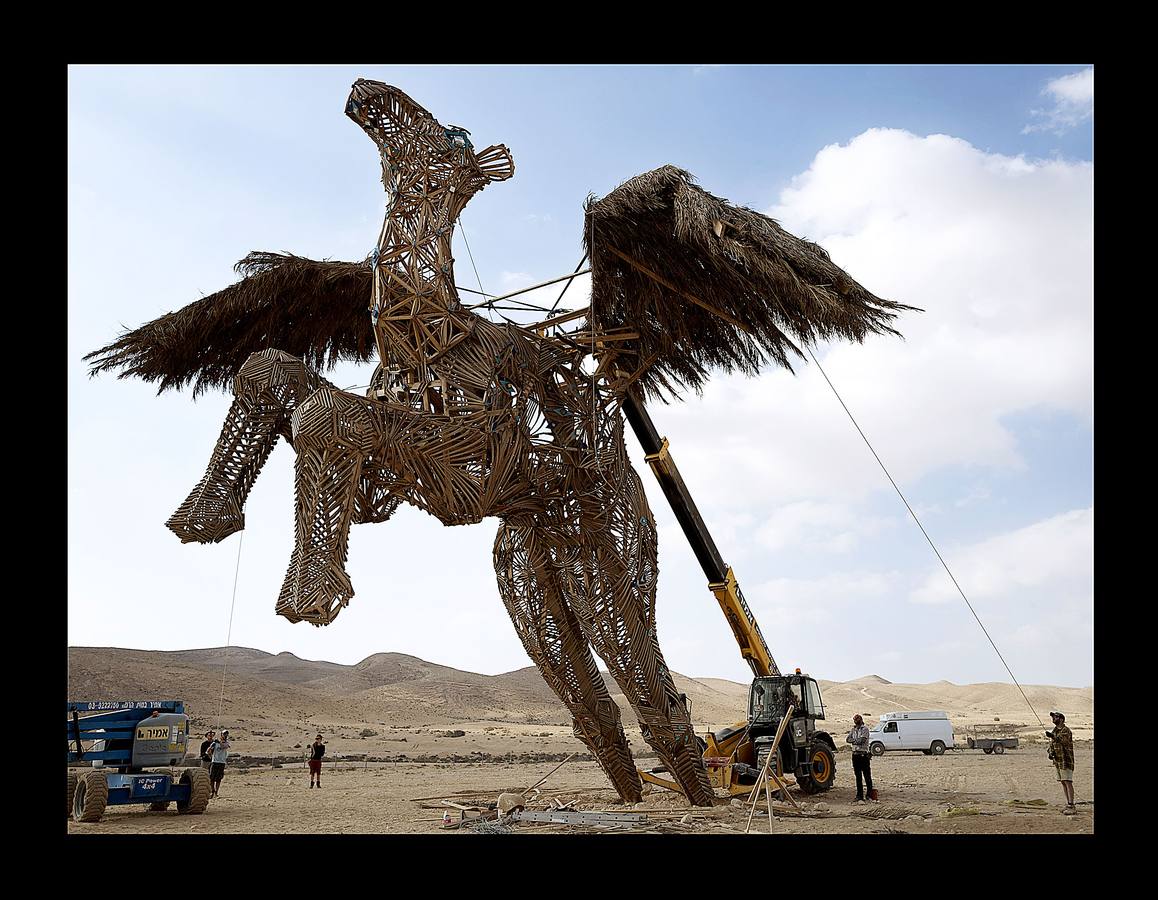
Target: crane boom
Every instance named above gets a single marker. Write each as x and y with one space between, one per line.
721 580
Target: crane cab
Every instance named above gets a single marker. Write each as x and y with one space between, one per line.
770 696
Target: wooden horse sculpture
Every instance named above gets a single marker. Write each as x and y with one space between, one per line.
466 418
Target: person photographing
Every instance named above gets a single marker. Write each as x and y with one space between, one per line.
317 751
861 758
218 754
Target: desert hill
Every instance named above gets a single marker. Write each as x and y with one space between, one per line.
870 679
392 702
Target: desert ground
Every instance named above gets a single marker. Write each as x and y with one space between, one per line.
403 735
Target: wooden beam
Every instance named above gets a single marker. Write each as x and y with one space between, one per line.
558 320
533 287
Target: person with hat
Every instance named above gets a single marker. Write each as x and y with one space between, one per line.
1061 751
219 753
861 757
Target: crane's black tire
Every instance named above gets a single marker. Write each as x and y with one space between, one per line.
90 797
821 770
198 781
937 748
160 805
999 749
72 780
986 750
877 748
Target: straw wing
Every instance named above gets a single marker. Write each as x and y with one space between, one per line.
708 285
317 311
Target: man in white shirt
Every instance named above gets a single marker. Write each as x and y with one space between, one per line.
218 754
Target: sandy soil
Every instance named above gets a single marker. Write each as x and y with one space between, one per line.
960 792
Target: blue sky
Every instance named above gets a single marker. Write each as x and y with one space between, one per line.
966 191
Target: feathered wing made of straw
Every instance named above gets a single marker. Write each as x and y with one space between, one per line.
703 284
317 311
708 285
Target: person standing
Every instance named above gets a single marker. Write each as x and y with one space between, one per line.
206 760
218 754
1061 751
317 751
861 757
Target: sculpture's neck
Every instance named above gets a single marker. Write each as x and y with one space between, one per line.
418 313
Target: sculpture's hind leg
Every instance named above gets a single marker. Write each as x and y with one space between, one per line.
611 587
268 387
529 587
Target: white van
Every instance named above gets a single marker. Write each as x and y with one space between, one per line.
930 731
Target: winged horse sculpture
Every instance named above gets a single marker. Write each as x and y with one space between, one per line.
466 417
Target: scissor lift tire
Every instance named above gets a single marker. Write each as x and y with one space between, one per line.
198 781
91 797
72 780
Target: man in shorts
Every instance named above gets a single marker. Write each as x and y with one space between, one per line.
219 753
1061 751
317 751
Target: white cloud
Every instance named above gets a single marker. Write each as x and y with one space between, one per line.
836 527
1056 553
1073 103
825 594
512 281
978 493
997 251
828 624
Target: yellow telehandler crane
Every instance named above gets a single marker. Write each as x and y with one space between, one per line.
734 755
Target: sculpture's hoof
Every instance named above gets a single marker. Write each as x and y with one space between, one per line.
316 600
202 522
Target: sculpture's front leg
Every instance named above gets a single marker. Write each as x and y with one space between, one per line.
268 388
334 436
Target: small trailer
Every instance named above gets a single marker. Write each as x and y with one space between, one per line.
124 737
992 739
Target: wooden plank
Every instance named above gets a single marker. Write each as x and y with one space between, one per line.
552 772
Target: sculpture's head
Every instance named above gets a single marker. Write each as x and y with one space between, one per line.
411 140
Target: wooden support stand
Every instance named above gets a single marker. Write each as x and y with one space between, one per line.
767 775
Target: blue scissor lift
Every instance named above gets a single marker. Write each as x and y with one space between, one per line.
125 737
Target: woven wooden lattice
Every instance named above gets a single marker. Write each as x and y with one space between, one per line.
466 418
